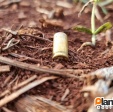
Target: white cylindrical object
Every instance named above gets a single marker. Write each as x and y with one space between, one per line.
60 45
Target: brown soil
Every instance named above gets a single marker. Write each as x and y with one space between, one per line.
88 58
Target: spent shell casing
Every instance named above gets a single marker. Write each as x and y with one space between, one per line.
60 45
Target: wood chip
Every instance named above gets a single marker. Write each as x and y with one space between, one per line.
64 4
58 66
54 22
39 104
26 88
5 68
67 91
24 3
22 15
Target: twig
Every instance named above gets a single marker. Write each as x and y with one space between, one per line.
67 91
6 109
11 43
23 56
8 2
7 80
34 67
23 90
45 48
37 37
8 37
4 93
19 85
83 8
75 71
16 33
24 82
12 81
4 68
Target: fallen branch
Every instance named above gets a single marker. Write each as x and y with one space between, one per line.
23 90
34 67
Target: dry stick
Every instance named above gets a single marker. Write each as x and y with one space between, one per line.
4 68
23 56
16 33
83 8
19 85
7 80
37 37
75 71
34 67
12 81
8 37
67 91
7 3
6 109
23 90
11 44
25 82
4 93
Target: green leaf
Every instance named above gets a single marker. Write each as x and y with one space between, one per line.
82 29
103 28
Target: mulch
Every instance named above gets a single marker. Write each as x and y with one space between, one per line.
86 59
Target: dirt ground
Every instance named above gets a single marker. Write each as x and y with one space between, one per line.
25 13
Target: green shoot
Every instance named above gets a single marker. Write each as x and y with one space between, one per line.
93 30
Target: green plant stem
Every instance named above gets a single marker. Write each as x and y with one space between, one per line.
93 40
93 23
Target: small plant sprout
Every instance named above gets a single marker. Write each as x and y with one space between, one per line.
93 30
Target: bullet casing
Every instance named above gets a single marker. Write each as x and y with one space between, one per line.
60 45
